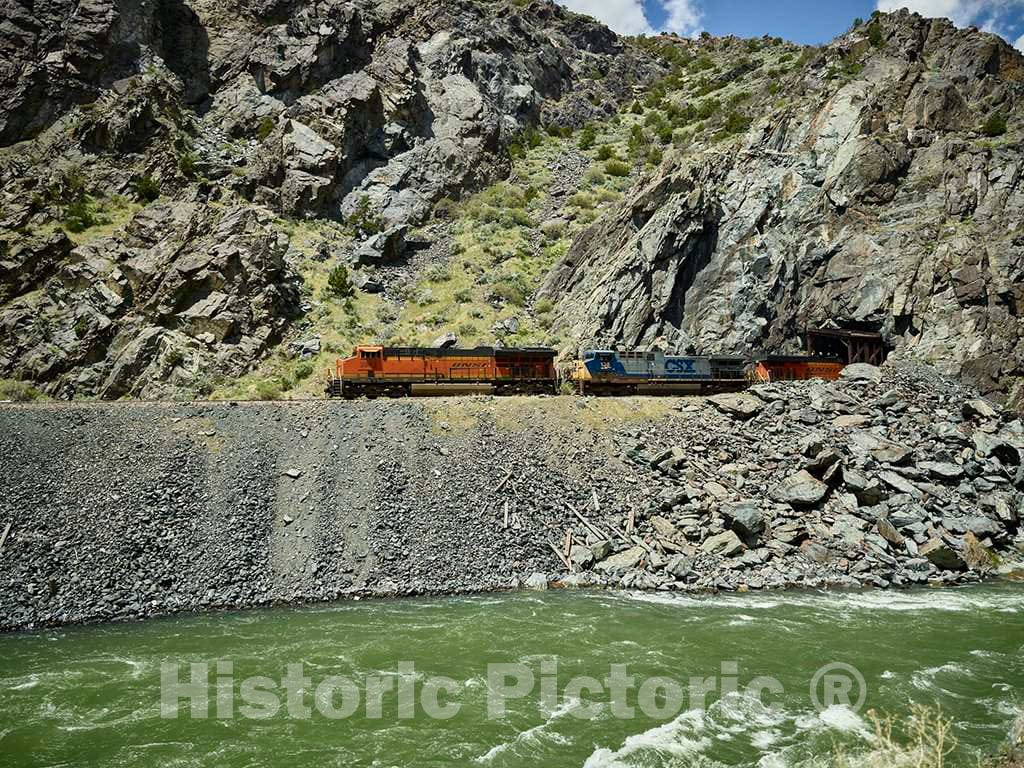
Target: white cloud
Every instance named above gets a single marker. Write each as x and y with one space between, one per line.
986 14
683 16
624 16
627 17
961 12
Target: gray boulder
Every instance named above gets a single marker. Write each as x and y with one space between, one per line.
979 409
862 372
942 471
621 561
746 519
679 566
992 445
446 341
941 555
740 405
581 556
800 490
725 544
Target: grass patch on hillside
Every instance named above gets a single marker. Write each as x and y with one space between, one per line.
109 216
19 391
508 237
340 323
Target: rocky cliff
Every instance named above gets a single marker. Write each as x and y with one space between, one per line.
878 186
179 179
229 117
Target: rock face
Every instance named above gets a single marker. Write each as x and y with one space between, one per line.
871 200
360 111
307 109
183 293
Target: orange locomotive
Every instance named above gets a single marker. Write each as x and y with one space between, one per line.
395 371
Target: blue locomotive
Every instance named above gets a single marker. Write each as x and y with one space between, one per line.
601 371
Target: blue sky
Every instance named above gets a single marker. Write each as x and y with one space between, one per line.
803 21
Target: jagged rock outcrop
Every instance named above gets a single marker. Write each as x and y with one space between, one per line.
184 293
308 106
871 200
327 109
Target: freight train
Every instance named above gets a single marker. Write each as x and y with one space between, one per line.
378 371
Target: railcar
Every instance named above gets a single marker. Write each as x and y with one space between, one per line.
796 368
608 372
376 371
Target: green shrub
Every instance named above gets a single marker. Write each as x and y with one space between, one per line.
187 163
18 391
364 221
339 284
637 143
553 230
605 152
655 156
265 128
735 123
653 118
806 57
702 63
665 134
637 108
147 188
303 371
174 357
463 296
616 168
512 289
438 273
588 136
517 217
708 108
581 200
80 215
875 34
444 208
995 125
269 389
543 306
594 175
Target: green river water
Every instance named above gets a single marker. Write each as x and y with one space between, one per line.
92 696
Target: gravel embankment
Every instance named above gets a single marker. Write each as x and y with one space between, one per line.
127 510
